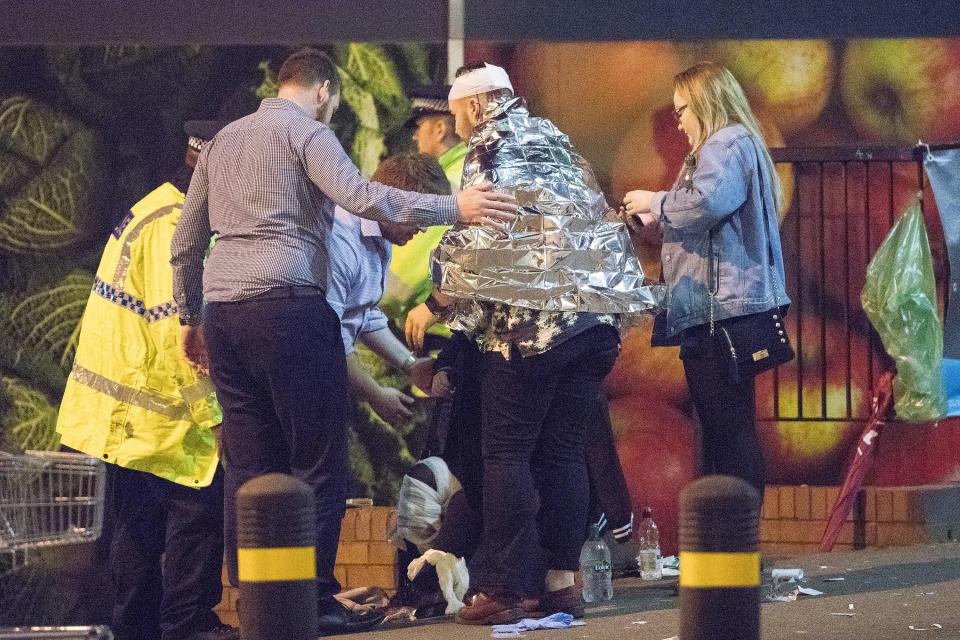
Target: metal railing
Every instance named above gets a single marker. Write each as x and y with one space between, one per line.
845 200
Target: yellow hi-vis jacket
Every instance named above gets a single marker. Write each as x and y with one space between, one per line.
131 398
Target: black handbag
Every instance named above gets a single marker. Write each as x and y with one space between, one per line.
753 344
757 342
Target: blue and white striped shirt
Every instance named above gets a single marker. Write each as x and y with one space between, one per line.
359 258
266 186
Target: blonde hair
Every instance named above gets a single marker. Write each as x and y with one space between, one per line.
716 100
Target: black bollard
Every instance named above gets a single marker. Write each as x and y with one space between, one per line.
276 538
719 560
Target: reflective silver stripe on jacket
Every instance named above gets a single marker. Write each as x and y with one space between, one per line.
172 409
123 264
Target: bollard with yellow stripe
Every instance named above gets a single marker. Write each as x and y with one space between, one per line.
276 563
719 560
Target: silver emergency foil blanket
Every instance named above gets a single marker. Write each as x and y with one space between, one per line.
567 249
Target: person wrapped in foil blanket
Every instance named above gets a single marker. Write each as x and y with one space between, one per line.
566 251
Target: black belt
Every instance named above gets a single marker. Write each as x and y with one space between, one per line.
294 291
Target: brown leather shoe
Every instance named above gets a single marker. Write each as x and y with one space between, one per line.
566 600
491 609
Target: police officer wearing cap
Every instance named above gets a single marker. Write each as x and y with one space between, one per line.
133 401
433 132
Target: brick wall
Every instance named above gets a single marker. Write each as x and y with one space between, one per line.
365 556
793 517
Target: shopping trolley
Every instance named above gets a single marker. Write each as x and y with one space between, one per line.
49 499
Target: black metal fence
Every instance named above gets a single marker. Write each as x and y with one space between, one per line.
845 200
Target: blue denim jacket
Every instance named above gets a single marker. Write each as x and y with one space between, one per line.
714 236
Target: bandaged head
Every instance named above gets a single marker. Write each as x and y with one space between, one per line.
476 81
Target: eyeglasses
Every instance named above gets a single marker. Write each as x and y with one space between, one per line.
679 111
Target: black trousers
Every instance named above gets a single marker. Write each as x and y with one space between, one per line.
729 443
281 376
536 412
166 555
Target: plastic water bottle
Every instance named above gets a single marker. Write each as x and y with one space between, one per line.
595 568
649 560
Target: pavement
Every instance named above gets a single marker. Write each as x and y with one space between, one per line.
888 591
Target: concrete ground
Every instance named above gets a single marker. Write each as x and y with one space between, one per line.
888 590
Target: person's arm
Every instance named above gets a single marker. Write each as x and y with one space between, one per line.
388 403
189 246
382 342
187 252
329 167
720 183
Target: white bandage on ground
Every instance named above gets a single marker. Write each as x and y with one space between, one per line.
451 572
489 78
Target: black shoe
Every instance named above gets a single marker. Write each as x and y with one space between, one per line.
219 632
333 618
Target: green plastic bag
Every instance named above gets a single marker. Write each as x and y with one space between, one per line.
900 299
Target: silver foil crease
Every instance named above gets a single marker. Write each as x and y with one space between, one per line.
567 249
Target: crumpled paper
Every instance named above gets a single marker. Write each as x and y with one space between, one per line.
566 251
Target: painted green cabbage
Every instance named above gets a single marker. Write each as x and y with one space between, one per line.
52 182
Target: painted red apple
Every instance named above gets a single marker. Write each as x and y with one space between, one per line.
657 447
652 150
809 421
654 373
789 79
497 53
915 454
593 91
903 90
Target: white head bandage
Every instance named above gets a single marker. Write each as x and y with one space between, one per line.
489 78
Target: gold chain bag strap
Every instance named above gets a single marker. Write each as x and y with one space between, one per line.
757 342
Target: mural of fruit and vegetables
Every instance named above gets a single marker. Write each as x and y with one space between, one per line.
85 132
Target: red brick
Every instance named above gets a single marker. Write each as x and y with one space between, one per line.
810 531
228 602
884 505
350 553
801 502
818 503
786 503
363 522
229 617
870 504
348 532
846 533
379 524
340 573
900 505
870 534
383 553
770 531
771 499
899 534
367 576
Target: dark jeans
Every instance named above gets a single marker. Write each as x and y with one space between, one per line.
535 487
166 555
729 443
281 377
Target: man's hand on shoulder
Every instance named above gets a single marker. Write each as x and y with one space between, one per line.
480 204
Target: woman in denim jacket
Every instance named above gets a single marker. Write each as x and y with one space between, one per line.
721 256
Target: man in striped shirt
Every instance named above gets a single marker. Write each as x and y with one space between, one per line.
267 186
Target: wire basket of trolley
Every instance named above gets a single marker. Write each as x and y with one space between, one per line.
48 499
